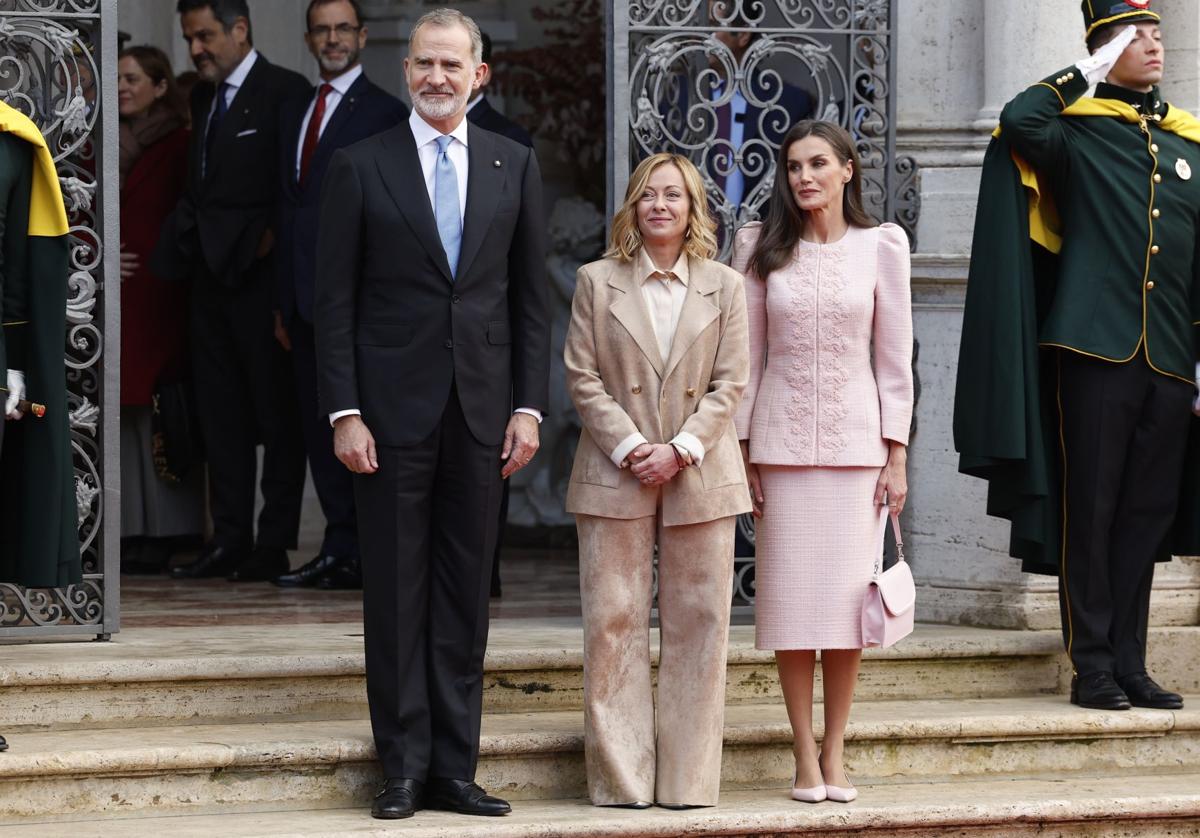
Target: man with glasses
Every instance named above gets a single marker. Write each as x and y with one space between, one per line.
343 109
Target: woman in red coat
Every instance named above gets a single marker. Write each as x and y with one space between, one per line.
153 163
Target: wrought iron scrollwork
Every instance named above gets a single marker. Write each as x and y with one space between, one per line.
827 59
49 72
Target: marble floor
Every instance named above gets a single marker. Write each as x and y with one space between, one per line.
537 583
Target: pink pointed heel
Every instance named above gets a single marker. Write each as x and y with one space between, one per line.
816 794
838 794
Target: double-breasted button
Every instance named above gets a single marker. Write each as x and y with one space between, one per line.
1156 213
449 344
637 389
1157 178
1154 147
1154 250
691 391
1150 285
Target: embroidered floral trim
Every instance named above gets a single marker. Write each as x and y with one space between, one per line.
832 376
800 369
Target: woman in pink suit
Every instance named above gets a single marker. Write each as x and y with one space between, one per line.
823 426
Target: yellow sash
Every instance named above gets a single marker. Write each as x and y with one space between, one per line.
1045 227
47 216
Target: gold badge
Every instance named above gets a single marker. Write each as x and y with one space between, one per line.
1183 169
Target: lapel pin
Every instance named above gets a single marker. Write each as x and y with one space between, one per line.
1183 169
497 164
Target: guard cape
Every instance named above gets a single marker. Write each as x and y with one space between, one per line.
1006 426
39 530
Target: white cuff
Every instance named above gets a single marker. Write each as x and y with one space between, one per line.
694 446
626 447
333 417
532 411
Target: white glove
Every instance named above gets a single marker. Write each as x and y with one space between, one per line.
16 392
1095 67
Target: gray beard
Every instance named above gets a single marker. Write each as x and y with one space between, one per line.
436 109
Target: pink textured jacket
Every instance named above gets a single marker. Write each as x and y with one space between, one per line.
814 396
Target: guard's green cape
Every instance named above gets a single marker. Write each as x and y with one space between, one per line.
1005 408
39 531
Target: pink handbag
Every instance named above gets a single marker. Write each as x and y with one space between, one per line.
890 603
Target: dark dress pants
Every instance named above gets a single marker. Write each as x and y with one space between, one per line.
427 527
245 395
333 481
1124 435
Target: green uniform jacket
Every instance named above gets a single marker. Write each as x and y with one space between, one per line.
1019 297
39 541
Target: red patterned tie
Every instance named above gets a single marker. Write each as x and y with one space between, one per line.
313 134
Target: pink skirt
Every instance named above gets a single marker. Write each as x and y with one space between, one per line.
816 547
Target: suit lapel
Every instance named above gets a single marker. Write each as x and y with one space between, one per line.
485 180
402 177
341 116
239 113
630 311
698 312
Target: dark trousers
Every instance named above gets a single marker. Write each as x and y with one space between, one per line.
427 526
245 395
333 481
1124 433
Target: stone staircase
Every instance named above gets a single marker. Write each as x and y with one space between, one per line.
262 732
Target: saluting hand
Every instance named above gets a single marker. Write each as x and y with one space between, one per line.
354 445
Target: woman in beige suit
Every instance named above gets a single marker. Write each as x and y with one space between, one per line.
657 358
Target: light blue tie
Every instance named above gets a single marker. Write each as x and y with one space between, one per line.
445 204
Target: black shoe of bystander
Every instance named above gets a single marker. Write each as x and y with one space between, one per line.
1098 691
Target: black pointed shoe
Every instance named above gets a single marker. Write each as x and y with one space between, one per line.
213 561
346 575
399 798
264 564
1143 692
463 797
3 744
308 574
1098 691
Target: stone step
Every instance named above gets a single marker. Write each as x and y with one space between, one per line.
329 764
160 676
1163 806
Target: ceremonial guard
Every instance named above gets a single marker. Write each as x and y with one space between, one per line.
1078 368
40 547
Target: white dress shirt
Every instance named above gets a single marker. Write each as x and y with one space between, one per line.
664 293
426 137
341 86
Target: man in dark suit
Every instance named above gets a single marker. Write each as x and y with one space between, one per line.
432 322
342 110
221 235
481 113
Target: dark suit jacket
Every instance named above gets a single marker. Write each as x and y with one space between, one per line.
394 329
490 119
365 111
216 228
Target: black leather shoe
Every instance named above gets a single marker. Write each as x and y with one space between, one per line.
464 797
213 561
264 564
1098 691
640 804
399 798
307 575
3 744
345 576
1143 692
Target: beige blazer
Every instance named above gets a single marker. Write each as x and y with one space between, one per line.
620 385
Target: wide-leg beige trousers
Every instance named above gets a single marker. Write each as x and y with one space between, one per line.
626 761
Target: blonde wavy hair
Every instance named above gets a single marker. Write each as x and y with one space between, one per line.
700 240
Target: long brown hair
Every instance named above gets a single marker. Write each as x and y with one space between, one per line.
785 221
157 66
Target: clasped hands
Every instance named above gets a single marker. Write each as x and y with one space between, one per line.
653 464
354 445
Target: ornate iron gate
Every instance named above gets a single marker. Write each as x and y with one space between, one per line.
682 73
56 57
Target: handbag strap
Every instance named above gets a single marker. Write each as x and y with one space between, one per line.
899 545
